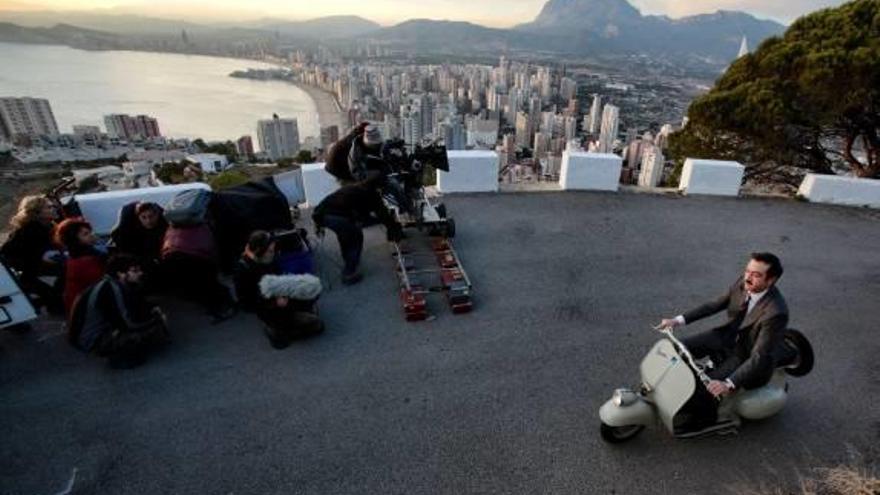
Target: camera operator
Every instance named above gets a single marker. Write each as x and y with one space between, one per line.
356 156
365 158
346 211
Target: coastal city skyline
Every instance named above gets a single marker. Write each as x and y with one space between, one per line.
492 13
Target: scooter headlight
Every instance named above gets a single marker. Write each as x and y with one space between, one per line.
623 397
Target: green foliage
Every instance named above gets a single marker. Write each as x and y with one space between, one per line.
304 156
171 172
286 163
228 149
809 100
228 178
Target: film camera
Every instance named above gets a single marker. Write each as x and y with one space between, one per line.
407 172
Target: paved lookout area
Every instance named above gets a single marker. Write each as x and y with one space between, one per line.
503 400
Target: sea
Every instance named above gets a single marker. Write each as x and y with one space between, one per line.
192 96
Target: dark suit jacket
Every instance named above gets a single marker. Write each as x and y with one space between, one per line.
755 338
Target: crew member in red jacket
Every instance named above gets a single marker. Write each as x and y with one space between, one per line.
85 264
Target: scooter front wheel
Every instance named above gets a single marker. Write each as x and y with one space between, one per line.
619 434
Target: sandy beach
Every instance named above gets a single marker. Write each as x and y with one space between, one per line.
329 112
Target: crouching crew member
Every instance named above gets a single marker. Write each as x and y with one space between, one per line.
286 304
112 319
345 212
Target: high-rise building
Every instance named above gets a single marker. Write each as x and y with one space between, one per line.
610 128
633 153
662 139
31 117
146 126
244 146
631 134
569 128
411 125
119 126
523 130
279 138
125 126
652 167
595 115
568 89
542 145
330 135
454 134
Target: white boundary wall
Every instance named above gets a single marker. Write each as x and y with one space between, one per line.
469 171
317 183
590 171
711 177
839 190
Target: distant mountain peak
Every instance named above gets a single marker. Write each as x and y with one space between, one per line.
584 13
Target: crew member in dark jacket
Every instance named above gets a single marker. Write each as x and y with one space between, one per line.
29 250
345 212
112 318
140 231
284 303
365 156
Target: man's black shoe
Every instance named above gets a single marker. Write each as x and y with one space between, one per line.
277 340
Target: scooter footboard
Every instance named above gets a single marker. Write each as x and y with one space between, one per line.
637 413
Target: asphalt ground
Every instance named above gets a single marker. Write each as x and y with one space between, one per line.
502 400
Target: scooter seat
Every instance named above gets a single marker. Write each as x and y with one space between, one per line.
785 356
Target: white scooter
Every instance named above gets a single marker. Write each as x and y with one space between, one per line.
669 379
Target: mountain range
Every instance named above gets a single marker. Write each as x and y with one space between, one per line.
577 27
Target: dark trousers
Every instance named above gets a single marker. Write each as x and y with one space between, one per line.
291 322
351 240
196 279
720 346
47 295
129 348
719 349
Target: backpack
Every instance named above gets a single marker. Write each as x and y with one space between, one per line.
337 158
188 208
86 324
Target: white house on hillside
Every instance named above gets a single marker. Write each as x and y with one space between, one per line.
210 163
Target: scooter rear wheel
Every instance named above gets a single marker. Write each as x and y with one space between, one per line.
619 434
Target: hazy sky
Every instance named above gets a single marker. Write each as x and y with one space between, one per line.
487 12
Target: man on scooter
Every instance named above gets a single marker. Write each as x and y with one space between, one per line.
744 349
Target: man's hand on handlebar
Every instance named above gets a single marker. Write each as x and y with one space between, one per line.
718 388
668 323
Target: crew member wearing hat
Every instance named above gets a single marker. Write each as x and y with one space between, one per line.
366 153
